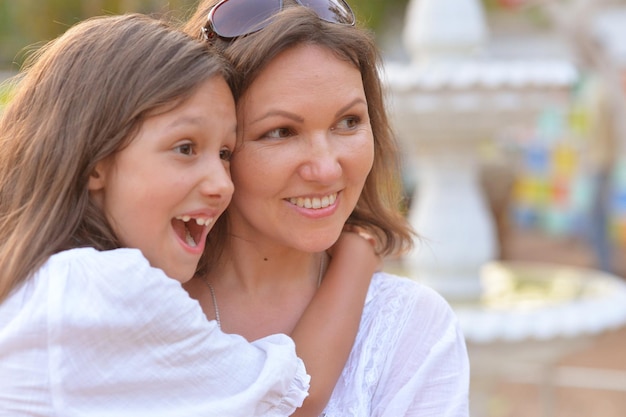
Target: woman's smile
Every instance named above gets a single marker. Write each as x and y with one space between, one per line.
314 202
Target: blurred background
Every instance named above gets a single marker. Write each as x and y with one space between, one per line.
522 104
28 22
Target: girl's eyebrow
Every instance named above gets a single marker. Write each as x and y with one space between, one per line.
185 120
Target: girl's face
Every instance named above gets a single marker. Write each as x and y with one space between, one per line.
163 192
306 150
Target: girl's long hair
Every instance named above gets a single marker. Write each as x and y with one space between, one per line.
82 98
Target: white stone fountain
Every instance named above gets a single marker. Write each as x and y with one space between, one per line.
451 97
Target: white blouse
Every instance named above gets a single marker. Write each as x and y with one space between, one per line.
409 358
104 334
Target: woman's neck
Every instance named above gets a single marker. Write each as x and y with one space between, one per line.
261 291
251 267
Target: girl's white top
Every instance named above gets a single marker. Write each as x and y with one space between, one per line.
104 334
409 358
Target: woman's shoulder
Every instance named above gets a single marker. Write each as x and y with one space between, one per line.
388 287
408 306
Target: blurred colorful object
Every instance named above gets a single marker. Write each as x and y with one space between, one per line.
504 4
618 220
554 190
511 4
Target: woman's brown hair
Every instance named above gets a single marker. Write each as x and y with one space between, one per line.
81 99
378 209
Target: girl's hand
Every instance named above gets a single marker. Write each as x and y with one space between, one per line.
356 243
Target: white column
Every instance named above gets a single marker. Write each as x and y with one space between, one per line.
449 211
451 215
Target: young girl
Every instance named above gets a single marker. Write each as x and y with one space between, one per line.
114 164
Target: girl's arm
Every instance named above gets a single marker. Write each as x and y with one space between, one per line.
326 331
121 338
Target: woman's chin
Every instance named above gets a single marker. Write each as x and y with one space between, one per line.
320 242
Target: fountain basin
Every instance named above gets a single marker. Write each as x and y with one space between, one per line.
525 301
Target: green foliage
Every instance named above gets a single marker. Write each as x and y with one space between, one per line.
372 13
26 23
5 94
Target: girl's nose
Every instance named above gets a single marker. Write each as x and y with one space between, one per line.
217 182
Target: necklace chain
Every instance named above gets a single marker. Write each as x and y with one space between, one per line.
214 299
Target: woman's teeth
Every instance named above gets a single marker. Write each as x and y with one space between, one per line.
314 202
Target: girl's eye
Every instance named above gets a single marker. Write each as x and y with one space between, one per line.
281 132
226 154
185 149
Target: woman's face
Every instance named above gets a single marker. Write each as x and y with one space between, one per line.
163 192
306 150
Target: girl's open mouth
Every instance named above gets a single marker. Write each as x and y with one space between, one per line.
191 230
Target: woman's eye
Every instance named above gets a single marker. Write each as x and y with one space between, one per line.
349 122
281 132
226 154
185 149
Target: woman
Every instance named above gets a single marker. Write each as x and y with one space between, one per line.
112 173
315 151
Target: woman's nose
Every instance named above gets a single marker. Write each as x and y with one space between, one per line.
321 162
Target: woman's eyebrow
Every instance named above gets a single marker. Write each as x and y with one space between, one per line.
283 113
351 104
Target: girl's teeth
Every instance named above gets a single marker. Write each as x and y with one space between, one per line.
204 222
189 239
199 221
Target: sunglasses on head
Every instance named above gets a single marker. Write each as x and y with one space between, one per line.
233 18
